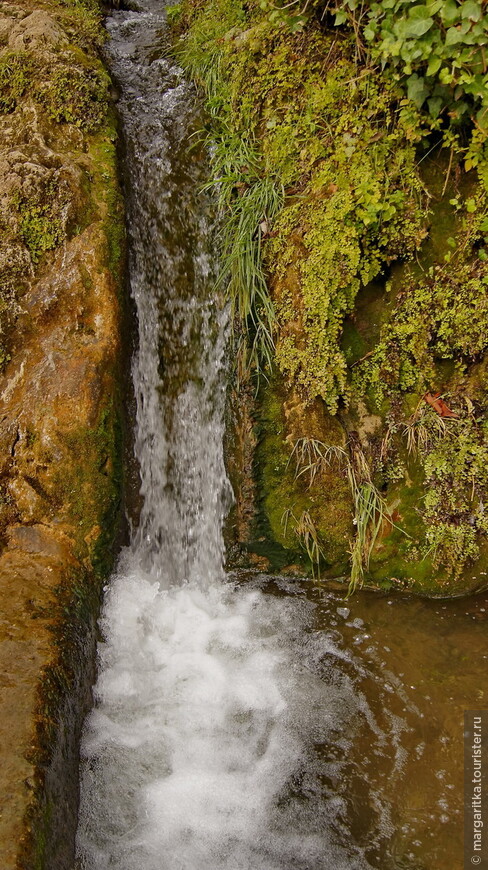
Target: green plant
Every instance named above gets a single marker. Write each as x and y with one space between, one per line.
423 429
371 512
307 535
437 50
16 68
76 95
433 49
313 457
41 217
248 203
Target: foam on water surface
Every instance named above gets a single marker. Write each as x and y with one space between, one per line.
207 712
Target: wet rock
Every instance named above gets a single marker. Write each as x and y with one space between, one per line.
36 30
59 346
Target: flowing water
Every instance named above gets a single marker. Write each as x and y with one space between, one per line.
259 724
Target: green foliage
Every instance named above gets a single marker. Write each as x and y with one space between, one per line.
358 207
307 536
93 6
313 458
82 21
249 207
318 140
435 50
371 513
437 315
15 77
361 208
438 49
455 461
68 85
41 231
71 90
76 95
41 222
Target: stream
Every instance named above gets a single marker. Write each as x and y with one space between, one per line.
245 722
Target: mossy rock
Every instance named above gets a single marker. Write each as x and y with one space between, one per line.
292 499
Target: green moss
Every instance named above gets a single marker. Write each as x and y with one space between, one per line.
437 313
307 518
71 88
41 219
90 483
102 195
291 112
318 130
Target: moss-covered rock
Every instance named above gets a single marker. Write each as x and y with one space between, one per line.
372 239
61 262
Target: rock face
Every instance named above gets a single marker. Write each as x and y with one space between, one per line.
60 255
355 238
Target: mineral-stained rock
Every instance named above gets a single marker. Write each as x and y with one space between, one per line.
59 342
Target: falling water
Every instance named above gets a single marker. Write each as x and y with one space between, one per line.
224 724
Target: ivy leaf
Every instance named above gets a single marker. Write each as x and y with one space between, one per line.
417 26
482 119
434 7
435 106
472 10
453 36
417 90
449 11
434 65
340 17
418 12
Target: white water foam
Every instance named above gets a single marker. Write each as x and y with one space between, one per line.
204 721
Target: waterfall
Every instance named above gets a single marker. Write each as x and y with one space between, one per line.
204 749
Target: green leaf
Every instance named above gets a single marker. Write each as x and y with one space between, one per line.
417 26
453 36
340 18
449 12
482 119
435 106
471 206
472 10
434 7
417 90
420 12
434 65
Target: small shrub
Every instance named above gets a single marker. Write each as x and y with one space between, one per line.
76 96
15 77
